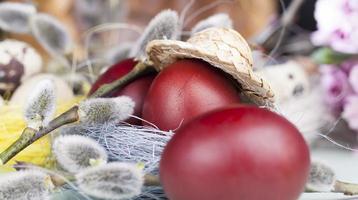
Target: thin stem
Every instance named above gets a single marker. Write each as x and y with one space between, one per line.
139 70
288 17
346 188
204 9
30 135
18 145
59 181
101 28
278 32
341 187
67 117
151 180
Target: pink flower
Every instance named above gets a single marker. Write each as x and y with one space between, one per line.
337 22
334 83
348 65
353 78
350 113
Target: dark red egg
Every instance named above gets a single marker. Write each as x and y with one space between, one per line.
136 89
184 90
235 153
113 73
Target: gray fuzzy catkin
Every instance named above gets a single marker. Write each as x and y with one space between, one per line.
41 104
321 178
106 110
52 35
165 25
14 17
25 185
111 181
220 20
74 152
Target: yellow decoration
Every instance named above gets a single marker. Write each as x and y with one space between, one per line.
11 127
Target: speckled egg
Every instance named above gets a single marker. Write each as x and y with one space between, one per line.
18 61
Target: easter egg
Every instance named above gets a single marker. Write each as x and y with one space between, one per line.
63 90
18 61
236 153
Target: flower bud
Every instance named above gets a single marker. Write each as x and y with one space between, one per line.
111 181
25 185
41 104
75 153
14 17
163 26
321 178
106 110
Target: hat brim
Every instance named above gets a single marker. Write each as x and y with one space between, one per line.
165 52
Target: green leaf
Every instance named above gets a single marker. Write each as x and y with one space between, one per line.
326 55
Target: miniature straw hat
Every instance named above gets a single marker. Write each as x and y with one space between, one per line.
221 47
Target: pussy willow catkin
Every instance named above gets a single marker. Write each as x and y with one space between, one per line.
129 143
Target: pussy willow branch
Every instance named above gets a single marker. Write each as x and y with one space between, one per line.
29 135
58 177
346 188
139 70
149 180
341 187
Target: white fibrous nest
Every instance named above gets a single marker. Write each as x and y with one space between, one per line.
128 143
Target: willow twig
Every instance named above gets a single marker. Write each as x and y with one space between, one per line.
29 136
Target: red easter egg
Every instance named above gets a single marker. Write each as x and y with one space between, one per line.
137 89
235 153
184 90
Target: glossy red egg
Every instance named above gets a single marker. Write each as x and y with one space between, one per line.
137 89
113 73
184 90
235 153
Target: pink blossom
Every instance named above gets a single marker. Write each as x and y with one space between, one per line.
350 112
353 78
348 65
337 22
334 83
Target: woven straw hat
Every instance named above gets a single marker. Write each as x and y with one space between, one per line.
221 47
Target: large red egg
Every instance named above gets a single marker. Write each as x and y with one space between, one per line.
235 153
136 89
184 90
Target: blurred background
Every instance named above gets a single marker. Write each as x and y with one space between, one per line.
250 17
307 50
